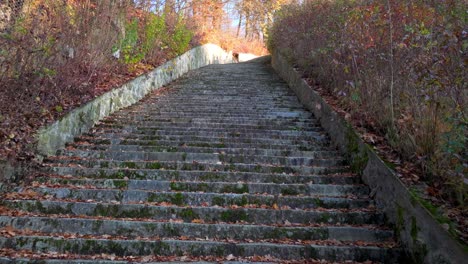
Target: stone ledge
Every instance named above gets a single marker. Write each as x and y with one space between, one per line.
421 235
80 120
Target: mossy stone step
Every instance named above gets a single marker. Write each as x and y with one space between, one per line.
116 144
294 135
198 248
133 229
207 214
155 156
204 166
335 190
202 196
154 140
145 176
147 152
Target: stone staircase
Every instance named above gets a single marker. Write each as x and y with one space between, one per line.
223 165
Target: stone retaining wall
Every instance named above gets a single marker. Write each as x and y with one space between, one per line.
56 135
421 235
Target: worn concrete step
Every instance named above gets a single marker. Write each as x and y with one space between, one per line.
135 247
234 137
174 175
216 125
204 198
202 130
215 122
107 143
329 190
145 140
163 134
204 141
235 109
133 229
93 149
259 216
193 117
143 152
202 157
263 119
198 166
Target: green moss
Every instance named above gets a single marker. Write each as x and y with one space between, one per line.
114 211
419 252
186 167
161 248
170 230
202 187
57 209
242 201
128 164
184 156
178 186
155 198
357 157
178 199
199 145
218 200
257 169
324 218
102 141
289 191
97 225
414 229
116 248
89 246
104 164
233 216
279 170
153 166
238 188
304 148
231 167
188 214
313 253
400 221
121 184
222 157
211 177
318 202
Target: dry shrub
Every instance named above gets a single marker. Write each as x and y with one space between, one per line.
57 55
401 65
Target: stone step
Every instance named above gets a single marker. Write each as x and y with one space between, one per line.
134 229
327 168
329 190
137 176
168 112
222 144
201 157
214 125
141 152
194 135
216 122
177 246
164 134
204 141
205 197
258 216
158 115
202 130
